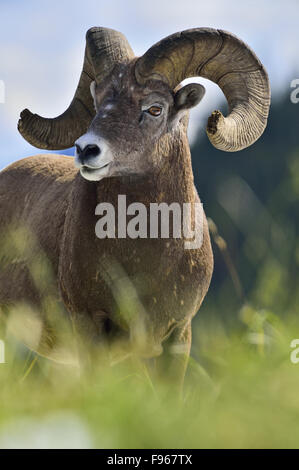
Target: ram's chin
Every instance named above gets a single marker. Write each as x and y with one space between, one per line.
94 174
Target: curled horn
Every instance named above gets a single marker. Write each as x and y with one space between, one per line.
104 48
226 60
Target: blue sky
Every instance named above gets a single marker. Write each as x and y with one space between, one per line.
42 47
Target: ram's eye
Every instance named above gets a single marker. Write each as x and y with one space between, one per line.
154 110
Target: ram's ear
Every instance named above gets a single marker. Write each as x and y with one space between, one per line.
188 96
93 93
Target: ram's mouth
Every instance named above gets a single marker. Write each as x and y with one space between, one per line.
91 169
94 173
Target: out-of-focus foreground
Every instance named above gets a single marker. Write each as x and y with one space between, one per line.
240 391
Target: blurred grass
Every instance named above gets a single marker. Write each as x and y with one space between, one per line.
241 391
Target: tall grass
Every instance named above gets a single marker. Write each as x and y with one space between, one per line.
241 388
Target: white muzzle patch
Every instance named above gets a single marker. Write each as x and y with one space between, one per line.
93 168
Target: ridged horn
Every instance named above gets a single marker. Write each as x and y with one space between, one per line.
226 60
104 48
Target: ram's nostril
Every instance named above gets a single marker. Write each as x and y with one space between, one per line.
78 148
90 151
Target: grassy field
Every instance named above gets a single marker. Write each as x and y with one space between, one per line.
241 391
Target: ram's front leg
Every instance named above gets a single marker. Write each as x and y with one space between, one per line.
172 364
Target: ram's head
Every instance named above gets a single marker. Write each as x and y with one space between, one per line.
123 105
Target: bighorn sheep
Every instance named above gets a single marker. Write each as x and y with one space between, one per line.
128 121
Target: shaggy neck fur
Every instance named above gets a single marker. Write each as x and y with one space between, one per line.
84 257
